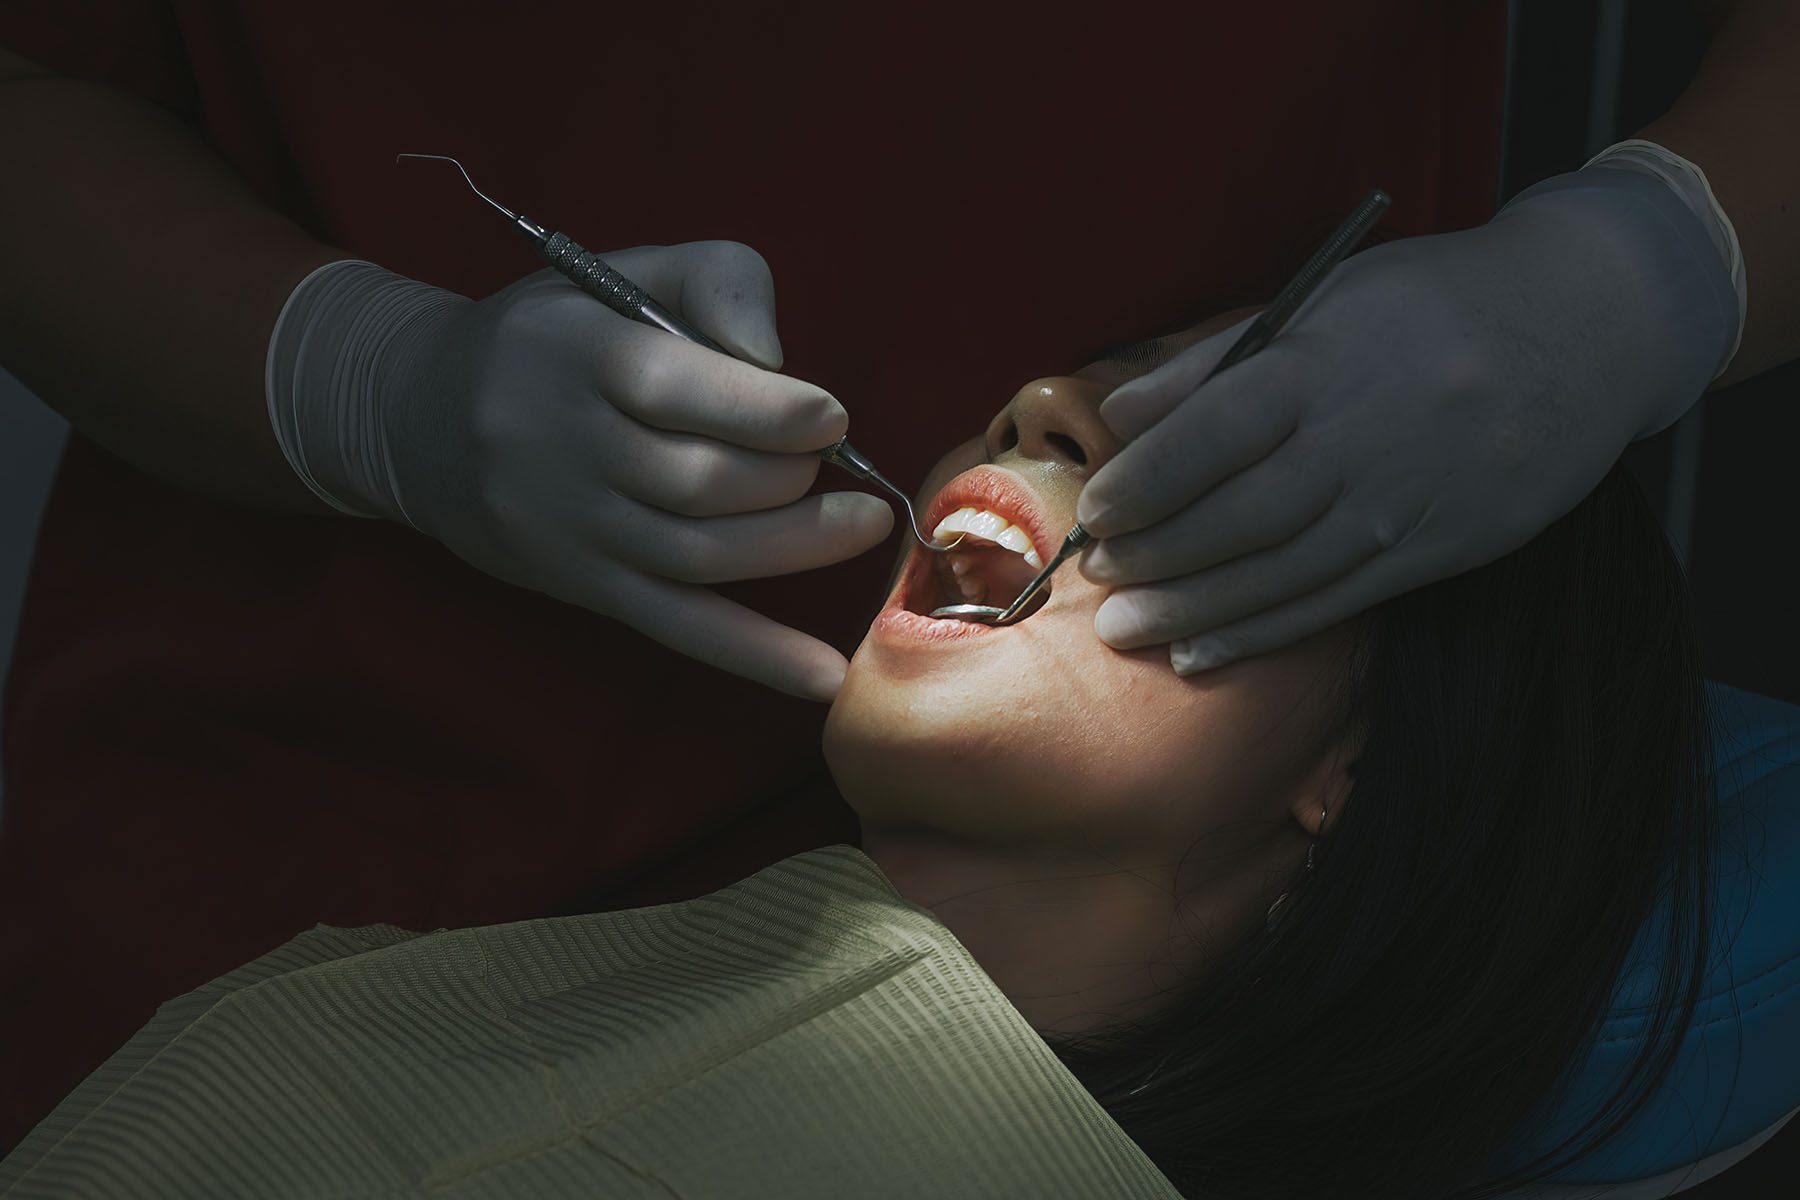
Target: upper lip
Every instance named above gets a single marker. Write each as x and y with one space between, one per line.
998 491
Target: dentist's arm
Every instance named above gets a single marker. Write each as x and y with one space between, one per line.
154 302
142 279
1737 121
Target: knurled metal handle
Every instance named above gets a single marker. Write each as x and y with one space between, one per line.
589 272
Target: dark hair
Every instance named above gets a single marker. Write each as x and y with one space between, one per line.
1534 770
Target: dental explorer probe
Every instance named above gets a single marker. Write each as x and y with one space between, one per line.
589 272
1262 330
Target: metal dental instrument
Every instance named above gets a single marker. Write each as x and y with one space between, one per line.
1261 331
589 272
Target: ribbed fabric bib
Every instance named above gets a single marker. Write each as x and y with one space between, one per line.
805 1032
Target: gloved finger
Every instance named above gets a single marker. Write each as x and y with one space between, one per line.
1147 614
1381 578
705 626
1264 506
814 532
1135 406
683 387
1234 421
697 476
723 289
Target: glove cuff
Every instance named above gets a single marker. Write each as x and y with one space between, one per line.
323 381
1689 182
1693 226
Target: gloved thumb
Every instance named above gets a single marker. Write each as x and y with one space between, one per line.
1135 406
723 289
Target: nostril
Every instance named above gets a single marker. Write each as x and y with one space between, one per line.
1068 446
1009 437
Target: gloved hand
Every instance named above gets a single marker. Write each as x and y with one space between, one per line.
1435 404
556 445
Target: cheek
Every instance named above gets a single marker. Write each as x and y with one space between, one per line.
1130 750
928 756
1123 757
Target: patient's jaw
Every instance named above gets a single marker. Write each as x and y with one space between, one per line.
1036 789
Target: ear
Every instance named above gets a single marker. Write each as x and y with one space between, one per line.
1320 798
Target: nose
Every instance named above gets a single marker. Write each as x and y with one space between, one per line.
1055 419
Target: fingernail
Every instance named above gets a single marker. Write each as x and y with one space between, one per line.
864 517
1089 512
825 687
1190 656
1112 412
1112 620
880 516
833 419
1123 411
1095 564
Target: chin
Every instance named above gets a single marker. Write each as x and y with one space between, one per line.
903 762
989 760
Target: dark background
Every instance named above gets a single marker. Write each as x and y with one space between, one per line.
1721 476
1585 73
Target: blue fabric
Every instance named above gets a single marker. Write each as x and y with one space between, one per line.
1738 1070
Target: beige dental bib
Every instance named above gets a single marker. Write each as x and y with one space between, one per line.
805 1032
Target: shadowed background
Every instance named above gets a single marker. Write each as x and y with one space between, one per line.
1584 73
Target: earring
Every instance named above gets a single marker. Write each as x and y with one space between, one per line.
1276 908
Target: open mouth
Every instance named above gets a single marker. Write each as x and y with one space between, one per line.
1002 530
983 572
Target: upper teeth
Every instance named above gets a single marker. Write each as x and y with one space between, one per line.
989 526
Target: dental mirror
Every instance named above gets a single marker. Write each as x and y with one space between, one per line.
987 613
968 612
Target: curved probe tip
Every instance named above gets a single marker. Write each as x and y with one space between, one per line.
510 214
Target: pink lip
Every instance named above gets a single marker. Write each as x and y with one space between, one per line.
894 619
997 490
988 487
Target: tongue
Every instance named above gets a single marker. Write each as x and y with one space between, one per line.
1004 573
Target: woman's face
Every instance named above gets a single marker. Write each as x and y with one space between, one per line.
1038 729
1036 741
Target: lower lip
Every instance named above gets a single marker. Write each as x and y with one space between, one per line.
895 621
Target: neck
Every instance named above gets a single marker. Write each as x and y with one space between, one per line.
1075 939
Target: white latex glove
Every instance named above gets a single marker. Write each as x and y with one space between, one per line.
556 445
1433 406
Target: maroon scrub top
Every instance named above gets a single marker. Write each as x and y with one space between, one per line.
225 725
